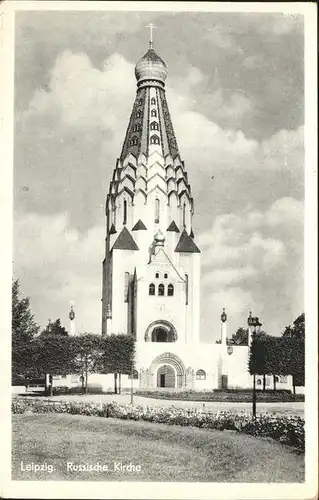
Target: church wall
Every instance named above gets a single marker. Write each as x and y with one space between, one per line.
122 262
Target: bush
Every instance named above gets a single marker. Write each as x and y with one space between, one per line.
231 395
61 389
286 429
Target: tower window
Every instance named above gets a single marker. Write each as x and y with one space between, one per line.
184 214
138 114
155 139
200 375
170 290
153 112
154 126
151 289
165 275
161 289
125 212
136 127
153 100
157 275
134 141
157 210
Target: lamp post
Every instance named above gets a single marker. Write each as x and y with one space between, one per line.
253 324
132 373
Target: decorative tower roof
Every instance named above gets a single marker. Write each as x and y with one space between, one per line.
151 67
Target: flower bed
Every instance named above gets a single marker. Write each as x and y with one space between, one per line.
231 395
288 430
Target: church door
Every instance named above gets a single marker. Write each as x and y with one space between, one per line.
166 376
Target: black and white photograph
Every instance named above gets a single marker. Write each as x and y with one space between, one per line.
161 194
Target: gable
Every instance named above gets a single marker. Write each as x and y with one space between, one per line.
125 241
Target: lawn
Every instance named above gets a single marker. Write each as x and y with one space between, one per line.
164 453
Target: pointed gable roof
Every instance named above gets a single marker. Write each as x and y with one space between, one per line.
125 241
186 244
139 226
173 227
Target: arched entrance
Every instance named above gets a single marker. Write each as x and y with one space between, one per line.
161 331
167 370
166 376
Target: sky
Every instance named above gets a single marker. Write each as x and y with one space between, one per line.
236 97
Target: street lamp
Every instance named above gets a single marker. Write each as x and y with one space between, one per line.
254 324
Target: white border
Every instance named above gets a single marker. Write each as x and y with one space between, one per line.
86 489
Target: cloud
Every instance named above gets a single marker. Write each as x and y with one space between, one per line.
248 256
59 264
67 144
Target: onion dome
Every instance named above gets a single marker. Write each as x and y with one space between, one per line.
151 67
159 239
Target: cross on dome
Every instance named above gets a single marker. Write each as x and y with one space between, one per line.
151 26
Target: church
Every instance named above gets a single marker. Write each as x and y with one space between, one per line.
151 271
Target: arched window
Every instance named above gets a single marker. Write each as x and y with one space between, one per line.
159 334
157 210
138 114
135 375
184 214
186 288
134 141
157 275
126 283
170 290
136 127
154 126
161 289
125 212
155 139
165 275
153 100
151 289
258 381
153 112
200 375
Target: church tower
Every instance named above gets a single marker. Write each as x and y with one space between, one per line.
151 270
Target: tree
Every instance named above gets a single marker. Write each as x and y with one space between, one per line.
296 334
55 328
88 352
117 355
240 337
54 355
24 330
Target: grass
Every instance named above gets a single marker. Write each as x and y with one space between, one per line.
164 453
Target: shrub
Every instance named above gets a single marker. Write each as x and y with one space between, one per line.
286 429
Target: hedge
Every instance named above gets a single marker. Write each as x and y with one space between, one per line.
287 429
